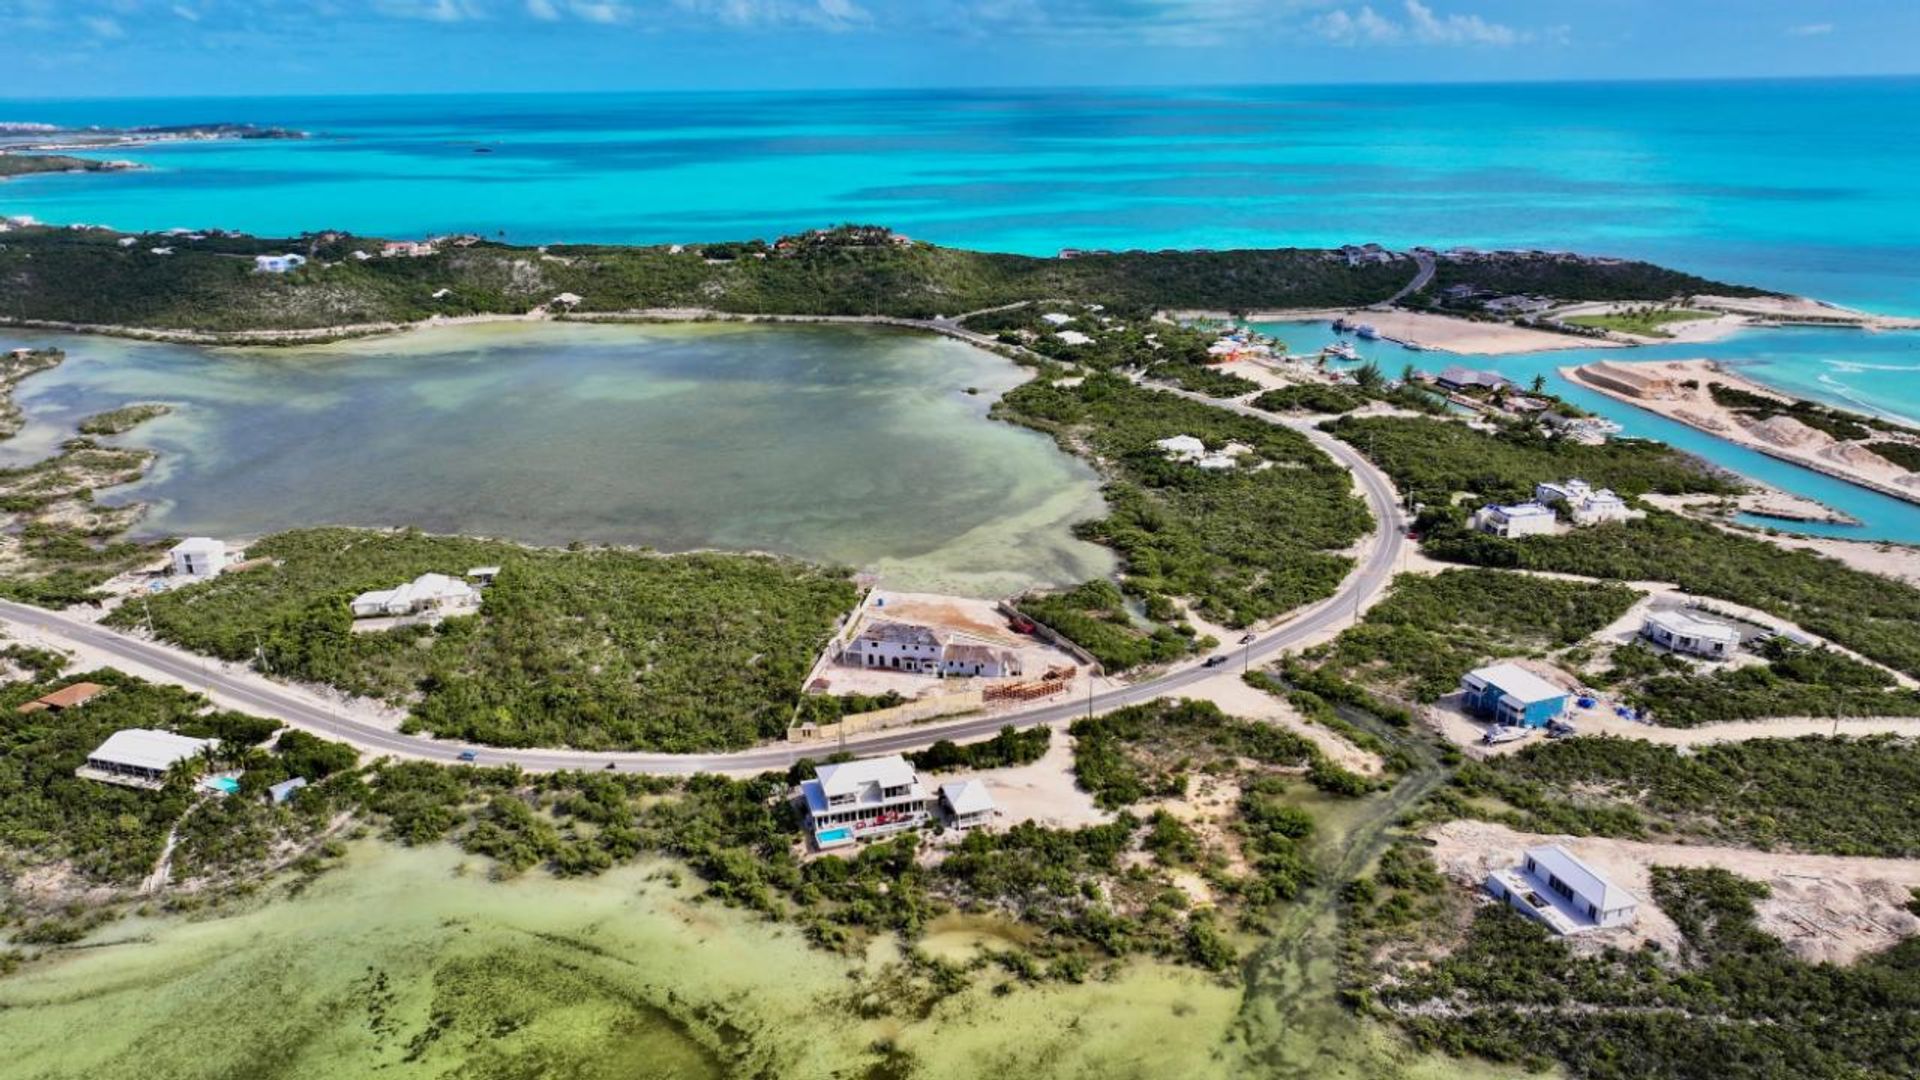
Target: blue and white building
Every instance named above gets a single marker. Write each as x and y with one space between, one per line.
1557 889
278 264
1512 696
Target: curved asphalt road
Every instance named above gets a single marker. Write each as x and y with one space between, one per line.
257 694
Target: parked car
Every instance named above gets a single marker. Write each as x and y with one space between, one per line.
1215 661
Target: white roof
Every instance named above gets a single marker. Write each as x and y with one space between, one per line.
850 777
1074 337
147 749
1591 885
1521 510
1182 444
1691 625
484 571
1057 318
967 797
199 545
1518 683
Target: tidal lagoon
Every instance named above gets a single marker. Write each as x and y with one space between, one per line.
864 447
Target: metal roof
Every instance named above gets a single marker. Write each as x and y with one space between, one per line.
143 748
1590 884
849 777
900 633
1518 683
967 797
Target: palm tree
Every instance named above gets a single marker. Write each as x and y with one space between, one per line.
1368 376
1539 384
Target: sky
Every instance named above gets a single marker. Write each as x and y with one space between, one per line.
160 48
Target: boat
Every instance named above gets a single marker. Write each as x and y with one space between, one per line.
1342 350
1367 331
1341 325
1503 734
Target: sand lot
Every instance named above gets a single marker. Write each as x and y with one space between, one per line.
1825 907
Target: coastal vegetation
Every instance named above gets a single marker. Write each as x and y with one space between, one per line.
1432 629
1733 1001
596 648
1239 545
1796 680
1823 795
122 420
1838 423
1646 320
1432 460
12 165
84 276
1569 277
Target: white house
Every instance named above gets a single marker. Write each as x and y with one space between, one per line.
1522 519
277 264
967 803
1586 504
1056 318
1683 631
1556 888
199 557
871 797
895 646
139 757
1074 337
424 594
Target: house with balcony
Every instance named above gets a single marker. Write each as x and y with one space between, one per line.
1555 888
861 800
1511 696
1520 519
1586 504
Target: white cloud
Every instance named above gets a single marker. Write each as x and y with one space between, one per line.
446 11
1421 26
182 11
833 14
543 10
101 26
1818 29
600 11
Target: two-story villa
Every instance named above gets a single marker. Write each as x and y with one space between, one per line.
857 800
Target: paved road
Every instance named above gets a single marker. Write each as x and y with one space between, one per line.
257 694
1426 264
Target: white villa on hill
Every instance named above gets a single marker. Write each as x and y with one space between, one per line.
424 594
1554 887
278 264
1683 631
857 800
1586 504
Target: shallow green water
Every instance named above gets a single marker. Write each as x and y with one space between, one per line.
848 445
401 964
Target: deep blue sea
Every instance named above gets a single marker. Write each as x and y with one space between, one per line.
1805 186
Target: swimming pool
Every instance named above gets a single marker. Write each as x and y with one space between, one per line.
833 836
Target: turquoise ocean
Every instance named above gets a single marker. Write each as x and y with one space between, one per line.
1805 186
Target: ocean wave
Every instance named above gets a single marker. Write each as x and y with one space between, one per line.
1854 366
1852 397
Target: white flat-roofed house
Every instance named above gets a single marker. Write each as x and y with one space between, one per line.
1074 337
871 797
483 575
140 757
1056 318
1586 504
1683 631
425 594
1554 887
198 557
1520 519
896 646
967 803
278 264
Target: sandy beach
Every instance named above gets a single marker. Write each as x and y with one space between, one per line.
1443 333
1662 391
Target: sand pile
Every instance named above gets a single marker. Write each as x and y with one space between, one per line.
1785 431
